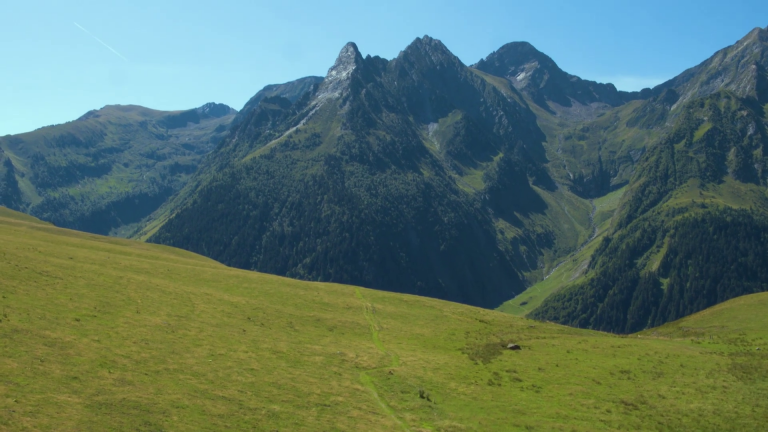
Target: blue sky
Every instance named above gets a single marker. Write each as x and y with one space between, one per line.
182 54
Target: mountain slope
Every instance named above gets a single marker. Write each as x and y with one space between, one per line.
111 167
689 232
593 156
101 333
292 91
414 175
734 68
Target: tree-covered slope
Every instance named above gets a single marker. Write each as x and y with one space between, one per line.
413 175
110 168
691 229
595 141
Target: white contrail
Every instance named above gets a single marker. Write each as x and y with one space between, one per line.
100 41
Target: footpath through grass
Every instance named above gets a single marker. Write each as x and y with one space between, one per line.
107 334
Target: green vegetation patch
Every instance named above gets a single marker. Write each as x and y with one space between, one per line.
101 334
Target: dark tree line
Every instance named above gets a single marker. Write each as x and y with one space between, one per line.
712 256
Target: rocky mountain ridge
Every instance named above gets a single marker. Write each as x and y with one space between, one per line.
369 168
422 175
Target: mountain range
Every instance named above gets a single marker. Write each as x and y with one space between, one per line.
480 184
109 169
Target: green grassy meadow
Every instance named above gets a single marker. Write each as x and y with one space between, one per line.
101 333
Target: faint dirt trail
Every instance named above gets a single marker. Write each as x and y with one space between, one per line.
369 311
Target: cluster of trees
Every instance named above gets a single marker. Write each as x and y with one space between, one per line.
102 213
336 218
714 136
10 194
712 256
112 167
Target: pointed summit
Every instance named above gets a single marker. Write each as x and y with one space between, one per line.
215 110
537 75
510 58
340 74
377 152
426 50
349 58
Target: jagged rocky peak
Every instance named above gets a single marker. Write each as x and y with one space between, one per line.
215 110
430 50
537 75
736 68
754 42
340 74
516 61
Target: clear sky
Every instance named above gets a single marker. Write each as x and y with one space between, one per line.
63 58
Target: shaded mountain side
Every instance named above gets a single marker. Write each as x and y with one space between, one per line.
538 76
110 168
710 256
395 175
600 156
690 231
291 90
384 230
10 194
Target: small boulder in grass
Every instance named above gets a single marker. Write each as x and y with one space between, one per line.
514 347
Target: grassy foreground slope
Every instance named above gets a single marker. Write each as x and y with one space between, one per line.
107 334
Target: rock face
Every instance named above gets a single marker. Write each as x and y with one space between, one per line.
337 81
538 76
292 91
739 68
360 181
215 110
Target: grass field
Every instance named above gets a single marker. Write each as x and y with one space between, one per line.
108 334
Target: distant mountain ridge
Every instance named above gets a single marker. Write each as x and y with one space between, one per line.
111 167
689 230
538 76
